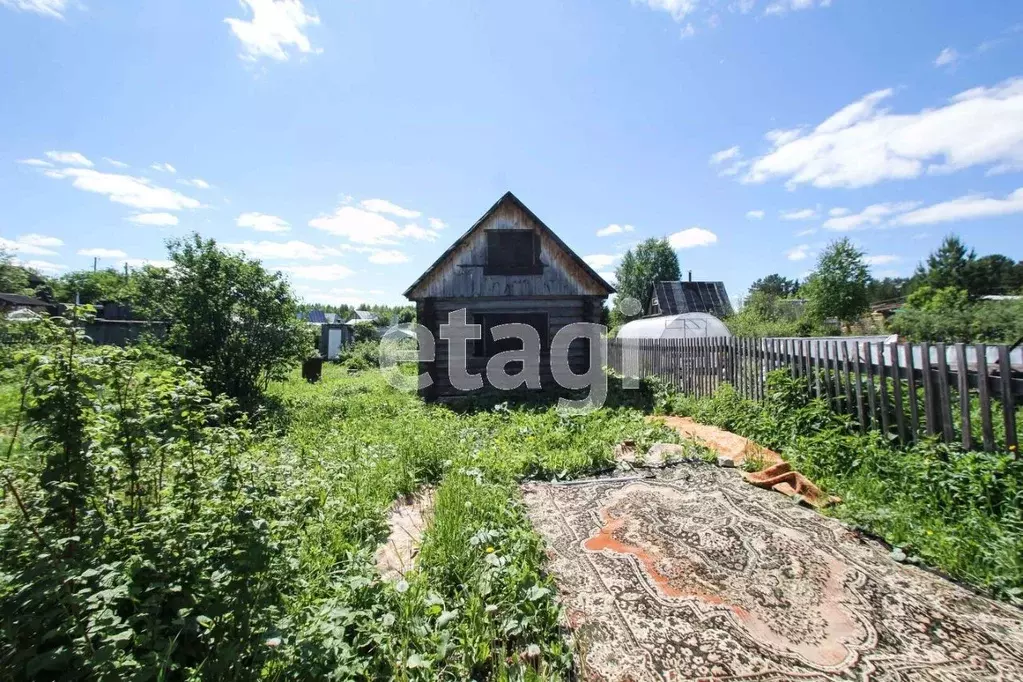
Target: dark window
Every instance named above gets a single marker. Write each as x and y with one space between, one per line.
513 252
487 347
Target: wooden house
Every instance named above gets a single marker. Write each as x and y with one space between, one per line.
508 267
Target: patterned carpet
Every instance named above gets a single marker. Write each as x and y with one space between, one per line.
698 575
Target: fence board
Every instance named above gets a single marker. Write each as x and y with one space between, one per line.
984 393
900 414
871 387
883 395
944 396
1008 408
964 397
860 413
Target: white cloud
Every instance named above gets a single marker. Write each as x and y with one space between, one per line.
688 31
163 167
718 158
947 57
157 219
388 257
43 266
115 163
261 222
385 206
678 9
413 231
838 212
38 163
783 6
799 214
125 189
797 253
290 250
69 158
614 229
862 145
49 8
964 208
871 216
608 276
694 236
102 253
320 273
884 259
275 26
198 183
808 231
31 244
153 262
437 224
337 295
598 261
366 227
755 215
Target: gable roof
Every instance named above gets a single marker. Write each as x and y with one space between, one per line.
676 297
19 299
509 197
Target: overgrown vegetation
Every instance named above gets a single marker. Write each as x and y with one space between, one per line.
147 531
959 511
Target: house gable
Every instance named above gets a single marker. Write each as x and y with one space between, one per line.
463 270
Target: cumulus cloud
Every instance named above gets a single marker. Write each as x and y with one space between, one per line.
729 161
600 261
785 6
863 144
155 219
69 158
31 244
102 253
367 227
38 163
437 224
152 262
276 26
44 266
797 253
261 222
799 214
947 57
755 215
718 158
290 250
387 257
871 216
320 273
677 9
198 183
163 167
337 295
614 229
967 207
608 276
385 206
692 237
50 8
125 189
882 259
115 163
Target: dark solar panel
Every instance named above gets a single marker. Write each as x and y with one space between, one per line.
693 297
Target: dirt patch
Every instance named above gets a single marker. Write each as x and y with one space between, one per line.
771 471
692 574
407 520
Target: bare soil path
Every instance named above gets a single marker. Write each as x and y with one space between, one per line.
691 573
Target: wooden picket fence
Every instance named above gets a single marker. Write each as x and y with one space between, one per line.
961 393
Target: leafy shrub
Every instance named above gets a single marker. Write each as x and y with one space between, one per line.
960 511
360 356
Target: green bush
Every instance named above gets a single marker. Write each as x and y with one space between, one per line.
960 511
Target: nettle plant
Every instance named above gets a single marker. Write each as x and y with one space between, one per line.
132 537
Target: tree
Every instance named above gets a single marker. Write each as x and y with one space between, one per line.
13 278
232 318
652 261
950 265
837 288
889 289
994 274
776 285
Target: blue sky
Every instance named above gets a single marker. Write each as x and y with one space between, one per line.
349 142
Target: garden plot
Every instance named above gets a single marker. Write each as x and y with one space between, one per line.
692 573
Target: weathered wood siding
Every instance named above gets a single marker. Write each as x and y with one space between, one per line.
461 273
560 311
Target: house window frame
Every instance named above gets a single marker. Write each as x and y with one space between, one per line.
481 348
492 269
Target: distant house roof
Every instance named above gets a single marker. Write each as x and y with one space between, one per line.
27 301
316 317
365 315
331 317
675 297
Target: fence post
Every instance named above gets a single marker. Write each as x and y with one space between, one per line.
914 407
1008 409
900 416
963 383
987 432
944 398
883 396
929 399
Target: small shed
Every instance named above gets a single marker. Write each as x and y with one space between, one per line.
20 302
508 267
677 297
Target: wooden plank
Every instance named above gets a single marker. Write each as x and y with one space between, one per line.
930 399
900 414
836 375
871 387
815 352
944 396
822 351
846 369
965 427
914 407
861 415
790 356
1008 408
883 397
807 366
984 392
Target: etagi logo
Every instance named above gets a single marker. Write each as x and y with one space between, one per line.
526 362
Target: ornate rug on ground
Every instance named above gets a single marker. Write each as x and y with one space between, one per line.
695 574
